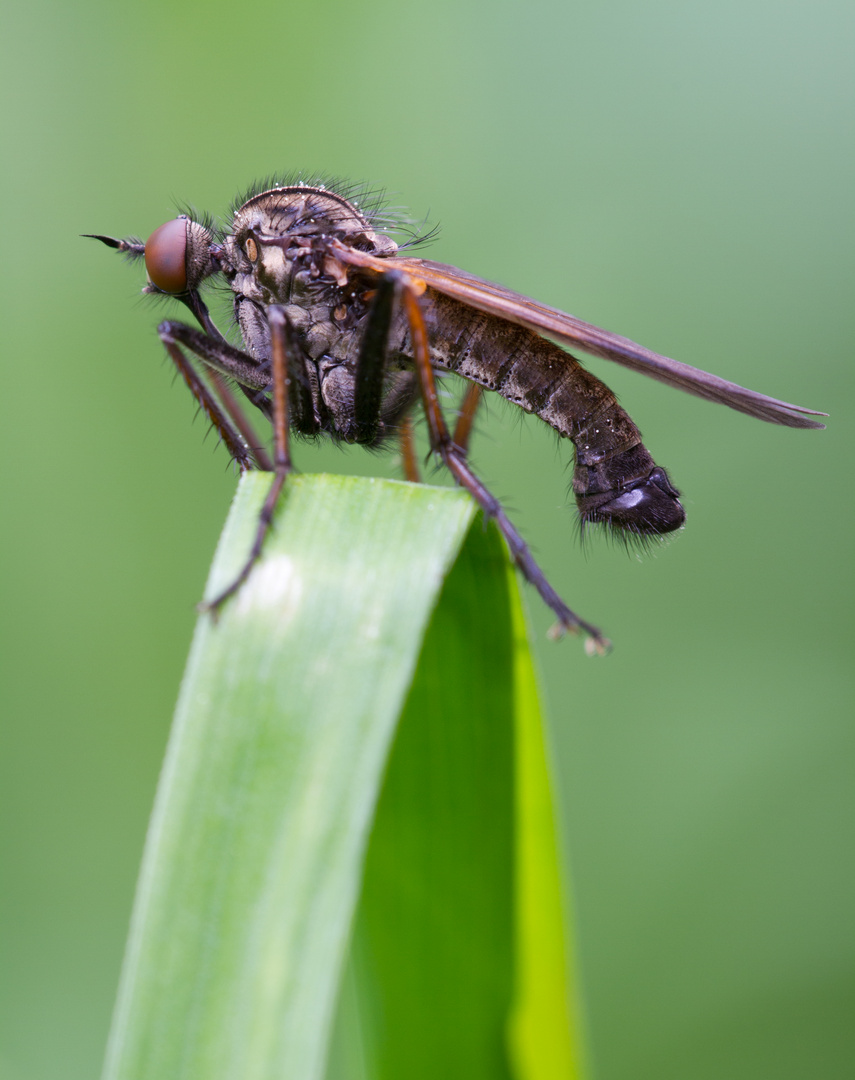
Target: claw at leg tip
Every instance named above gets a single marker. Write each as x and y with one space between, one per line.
597 646
595 643
209 607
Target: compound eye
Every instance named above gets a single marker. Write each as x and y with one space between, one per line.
166 256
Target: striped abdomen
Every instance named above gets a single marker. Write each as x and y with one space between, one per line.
615 481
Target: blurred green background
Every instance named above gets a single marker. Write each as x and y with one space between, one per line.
680 173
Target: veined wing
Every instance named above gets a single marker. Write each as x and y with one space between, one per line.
550 322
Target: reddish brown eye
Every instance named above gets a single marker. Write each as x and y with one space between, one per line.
165 256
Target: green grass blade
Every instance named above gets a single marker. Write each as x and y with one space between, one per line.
547 1025
460 967
290 790
289 704
434 951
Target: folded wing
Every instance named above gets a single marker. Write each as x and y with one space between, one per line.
567 329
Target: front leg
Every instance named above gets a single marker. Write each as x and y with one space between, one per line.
279 337
217 354
222 409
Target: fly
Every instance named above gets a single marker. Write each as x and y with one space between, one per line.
342 335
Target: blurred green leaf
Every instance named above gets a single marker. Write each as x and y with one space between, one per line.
287 793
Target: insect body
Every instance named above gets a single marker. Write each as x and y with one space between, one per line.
342 335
